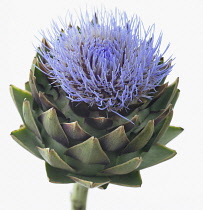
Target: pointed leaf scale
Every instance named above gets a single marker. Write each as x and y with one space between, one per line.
163 115
99 123
157 154
166 98
62 102
141 139
132 179
51 157
75 132
170 134
84 168
34 64
165 126
52 126
56 175
160 129
40 76
160 90
29 119
114 140
34 91
47 104
89 182
124 168
65 106
27 87
53 144
129 125
27 140
18 96
144 117
175 98
89 152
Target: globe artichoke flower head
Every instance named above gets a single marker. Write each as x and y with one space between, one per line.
96 107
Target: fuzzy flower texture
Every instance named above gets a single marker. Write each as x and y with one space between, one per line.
107 60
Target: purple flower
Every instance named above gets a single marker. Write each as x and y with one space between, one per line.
109 60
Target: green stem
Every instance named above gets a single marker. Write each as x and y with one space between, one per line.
79 197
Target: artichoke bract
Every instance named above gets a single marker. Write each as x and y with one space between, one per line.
96 108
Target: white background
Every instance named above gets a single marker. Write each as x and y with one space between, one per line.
176 184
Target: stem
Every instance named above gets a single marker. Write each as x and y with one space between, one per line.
79 197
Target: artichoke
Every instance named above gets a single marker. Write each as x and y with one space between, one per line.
95 112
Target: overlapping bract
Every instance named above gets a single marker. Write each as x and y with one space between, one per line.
83 144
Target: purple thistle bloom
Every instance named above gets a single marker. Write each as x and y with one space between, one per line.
110 62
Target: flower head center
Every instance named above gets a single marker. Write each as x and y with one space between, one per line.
108 64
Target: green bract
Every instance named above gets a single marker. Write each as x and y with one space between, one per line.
81 144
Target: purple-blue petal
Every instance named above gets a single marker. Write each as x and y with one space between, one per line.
108 62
